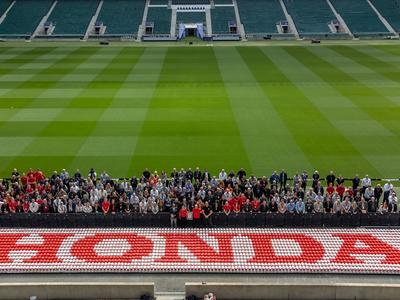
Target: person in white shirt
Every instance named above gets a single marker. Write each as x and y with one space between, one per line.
222 175
87 208
34 207
62 208
365 182
392 199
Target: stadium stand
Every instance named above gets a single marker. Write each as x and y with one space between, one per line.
4 5
190 17
129 16
360 18
161 18
190 2
221 17
158 2
215 250
260 17
223 2
310 18
390 9
24 17
72 17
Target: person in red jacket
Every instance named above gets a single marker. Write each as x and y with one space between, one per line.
330 189
196 216
227 208
183 216
105 206
25 206
241 200
340 189
12 205
39 176
255 205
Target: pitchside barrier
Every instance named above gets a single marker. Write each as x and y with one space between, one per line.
76 290
290 291
360 251
219 220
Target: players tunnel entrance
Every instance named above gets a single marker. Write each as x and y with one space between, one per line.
192 29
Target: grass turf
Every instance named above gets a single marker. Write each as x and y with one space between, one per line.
262 108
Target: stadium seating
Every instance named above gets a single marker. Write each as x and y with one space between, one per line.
24 17
4 5
161 17
359 17
223 2
129 12
390 10
190 17
181 2
220 17
260 16
158 2
223 250
72 17
310 17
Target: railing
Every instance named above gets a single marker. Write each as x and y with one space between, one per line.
162 220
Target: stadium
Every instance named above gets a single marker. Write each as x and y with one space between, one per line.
199 149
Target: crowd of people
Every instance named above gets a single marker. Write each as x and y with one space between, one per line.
193 194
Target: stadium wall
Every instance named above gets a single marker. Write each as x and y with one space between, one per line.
74 290
305 291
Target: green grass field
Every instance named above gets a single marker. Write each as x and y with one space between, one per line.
262 108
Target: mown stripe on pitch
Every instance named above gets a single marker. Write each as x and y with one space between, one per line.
339 111
29 98
18 159
361 92
187 77
96 145
310 129
391 49
379 66
269 144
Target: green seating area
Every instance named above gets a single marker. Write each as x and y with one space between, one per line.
129 16
158 2
310 16
24 17
220 18
260 16
4 4
72 17
359 17
390 10
223 1
180 2
190 17
161 17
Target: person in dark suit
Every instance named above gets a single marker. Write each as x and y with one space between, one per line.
330 179
282 179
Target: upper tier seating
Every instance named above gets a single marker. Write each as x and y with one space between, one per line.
223 1
359 17
260 16
72 17
158 2
129 16
161 17
24 17
180 2
390 10
4 4
310 16
190 17
220 17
